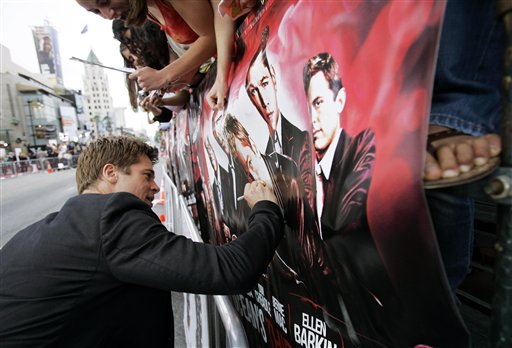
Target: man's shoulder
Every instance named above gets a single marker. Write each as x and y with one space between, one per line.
292 131
126 199
101 201
366 137
348 147
364 141
289 126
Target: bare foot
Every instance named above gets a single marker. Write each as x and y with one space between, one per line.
459 154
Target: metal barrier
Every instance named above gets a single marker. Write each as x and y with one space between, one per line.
14 168
500 188
181 222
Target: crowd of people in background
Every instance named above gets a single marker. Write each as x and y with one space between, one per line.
58 156
62 150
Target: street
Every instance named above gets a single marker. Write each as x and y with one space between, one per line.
28 198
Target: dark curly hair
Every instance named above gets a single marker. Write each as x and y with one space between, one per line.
148 42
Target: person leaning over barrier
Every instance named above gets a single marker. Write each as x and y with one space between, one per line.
99 272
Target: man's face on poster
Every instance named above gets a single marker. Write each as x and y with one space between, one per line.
261 87
218 119
325 112
250 159
211 156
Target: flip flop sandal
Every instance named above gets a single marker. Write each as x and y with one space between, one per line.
476 173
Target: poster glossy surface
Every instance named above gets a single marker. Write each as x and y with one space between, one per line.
328 104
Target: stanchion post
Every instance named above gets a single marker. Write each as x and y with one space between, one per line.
501 326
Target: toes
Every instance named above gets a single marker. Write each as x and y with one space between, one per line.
447 161
432 170
494 144
481 151
464 156
460 155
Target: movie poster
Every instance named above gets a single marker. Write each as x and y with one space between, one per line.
328 105
69 122
171 166
48 53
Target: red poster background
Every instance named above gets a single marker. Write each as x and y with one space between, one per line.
386 53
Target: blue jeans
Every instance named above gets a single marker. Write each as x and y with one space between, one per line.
467 84
452 217
466 97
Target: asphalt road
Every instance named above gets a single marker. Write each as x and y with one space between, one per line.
28 198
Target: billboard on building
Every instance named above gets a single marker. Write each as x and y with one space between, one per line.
48 52
69 122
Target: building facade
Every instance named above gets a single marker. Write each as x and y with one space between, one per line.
31 110
98 106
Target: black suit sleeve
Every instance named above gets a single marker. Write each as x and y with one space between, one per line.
139 250
306 169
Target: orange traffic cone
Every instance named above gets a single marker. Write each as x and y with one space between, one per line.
49 168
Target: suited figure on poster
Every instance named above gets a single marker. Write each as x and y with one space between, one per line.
221 187
284 137
46 56
300 265
343 169
300 262
234 184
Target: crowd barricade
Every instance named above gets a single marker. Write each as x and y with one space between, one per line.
10 169
346 273
338 277
179 220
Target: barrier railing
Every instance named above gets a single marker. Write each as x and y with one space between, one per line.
501 326
30 166
181 221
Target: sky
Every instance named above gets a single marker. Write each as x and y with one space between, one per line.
16 20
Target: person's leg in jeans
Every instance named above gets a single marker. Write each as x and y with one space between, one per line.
467 98
452 217
467 88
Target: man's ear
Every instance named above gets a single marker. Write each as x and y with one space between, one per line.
109 173
340 99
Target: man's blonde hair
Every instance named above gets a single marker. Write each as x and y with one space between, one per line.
121 152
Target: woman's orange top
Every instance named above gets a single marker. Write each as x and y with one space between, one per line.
174 26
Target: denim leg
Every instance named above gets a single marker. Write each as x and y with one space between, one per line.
452 217
467 84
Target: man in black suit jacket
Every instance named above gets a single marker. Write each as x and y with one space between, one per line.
234 184
99 272
343 169
284 137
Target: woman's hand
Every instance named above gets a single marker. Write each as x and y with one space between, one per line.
216 97
151 104
149 79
